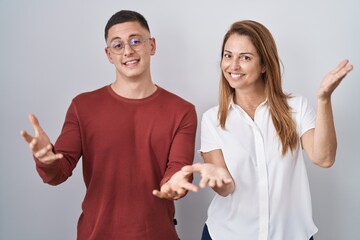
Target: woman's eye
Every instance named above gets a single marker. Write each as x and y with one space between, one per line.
245 58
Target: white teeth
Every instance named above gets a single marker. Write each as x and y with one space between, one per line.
235 75
131 62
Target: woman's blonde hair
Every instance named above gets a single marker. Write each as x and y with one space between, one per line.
280 111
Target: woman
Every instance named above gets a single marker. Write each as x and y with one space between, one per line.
252 143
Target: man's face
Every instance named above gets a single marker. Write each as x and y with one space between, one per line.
129 48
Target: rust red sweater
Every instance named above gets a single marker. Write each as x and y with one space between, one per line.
128 148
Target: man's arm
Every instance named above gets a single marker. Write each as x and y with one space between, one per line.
39 144
55 163
175 182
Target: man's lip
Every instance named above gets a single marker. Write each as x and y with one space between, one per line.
129 62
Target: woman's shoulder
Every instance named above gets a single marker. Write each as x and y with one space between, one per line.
296 100
300 105
211 113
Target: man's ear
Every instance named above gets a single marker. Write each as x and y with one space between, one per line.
152 46
108 54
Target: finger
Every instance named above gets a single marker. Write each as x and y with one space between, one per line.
180 192
188 168
190 187
35 123
166 188
227 180
184 174
344 71
197 167
45 153
349 67
52 158
212 183
340 66
28 138
42 152
158 194
162 195
175 195
176 198
203 182
32 145
219 183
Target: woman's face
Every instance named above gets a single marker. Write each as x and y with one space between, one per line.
241 64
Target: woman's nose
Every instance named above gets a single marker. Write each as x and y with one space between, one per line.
235 64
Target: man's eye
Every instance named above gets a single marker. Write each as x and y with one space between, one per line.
118 45
135 41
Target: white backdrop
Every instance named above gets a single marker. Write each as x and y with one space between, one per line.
51 51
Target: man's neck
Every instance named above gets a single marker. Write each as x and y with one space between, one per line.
134 89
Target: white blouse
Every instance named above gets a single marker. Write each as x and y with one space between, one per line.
272 198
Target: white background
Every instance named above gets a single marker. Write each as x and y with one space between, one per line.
50 51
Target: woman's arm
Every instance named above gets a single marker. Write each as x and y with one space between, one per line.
320 143
214 173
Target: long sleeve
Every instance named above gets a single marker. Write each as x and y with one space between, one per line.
183 145
69 144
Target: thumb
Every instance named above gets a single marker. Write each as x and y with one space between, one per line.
197 167
159 194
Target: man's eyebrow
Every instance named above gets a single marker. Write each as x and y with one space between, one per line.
114 38
131 35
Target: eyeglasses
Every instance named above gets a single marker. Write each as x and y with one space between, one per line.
135 42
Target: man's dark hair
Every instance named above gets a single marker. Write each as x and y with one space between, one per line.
126 16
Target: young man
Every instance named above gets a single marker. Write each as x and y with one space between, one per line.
133 137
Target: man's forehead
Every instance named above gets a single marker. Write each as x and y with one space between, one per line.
126 30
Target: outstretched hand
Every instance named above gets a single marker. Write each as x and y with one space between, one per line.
211 175
333 79
40 144
176 187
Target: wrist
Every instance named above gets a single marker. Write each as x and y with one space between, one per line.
324 100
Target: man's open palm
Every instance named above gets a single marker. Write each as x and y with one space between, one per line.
40 144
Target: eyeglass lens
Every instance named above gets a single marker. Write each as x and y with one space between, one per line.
135 42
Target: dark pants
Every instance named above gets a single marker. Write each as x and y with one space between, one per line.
206 235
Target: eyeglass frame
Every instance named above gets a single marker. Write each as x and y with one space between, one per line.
127 42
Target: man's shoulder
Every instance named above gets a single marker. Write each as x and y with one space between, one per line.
94 94
174 99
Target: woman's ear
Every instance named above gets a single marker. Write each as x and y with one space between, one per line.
263 69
